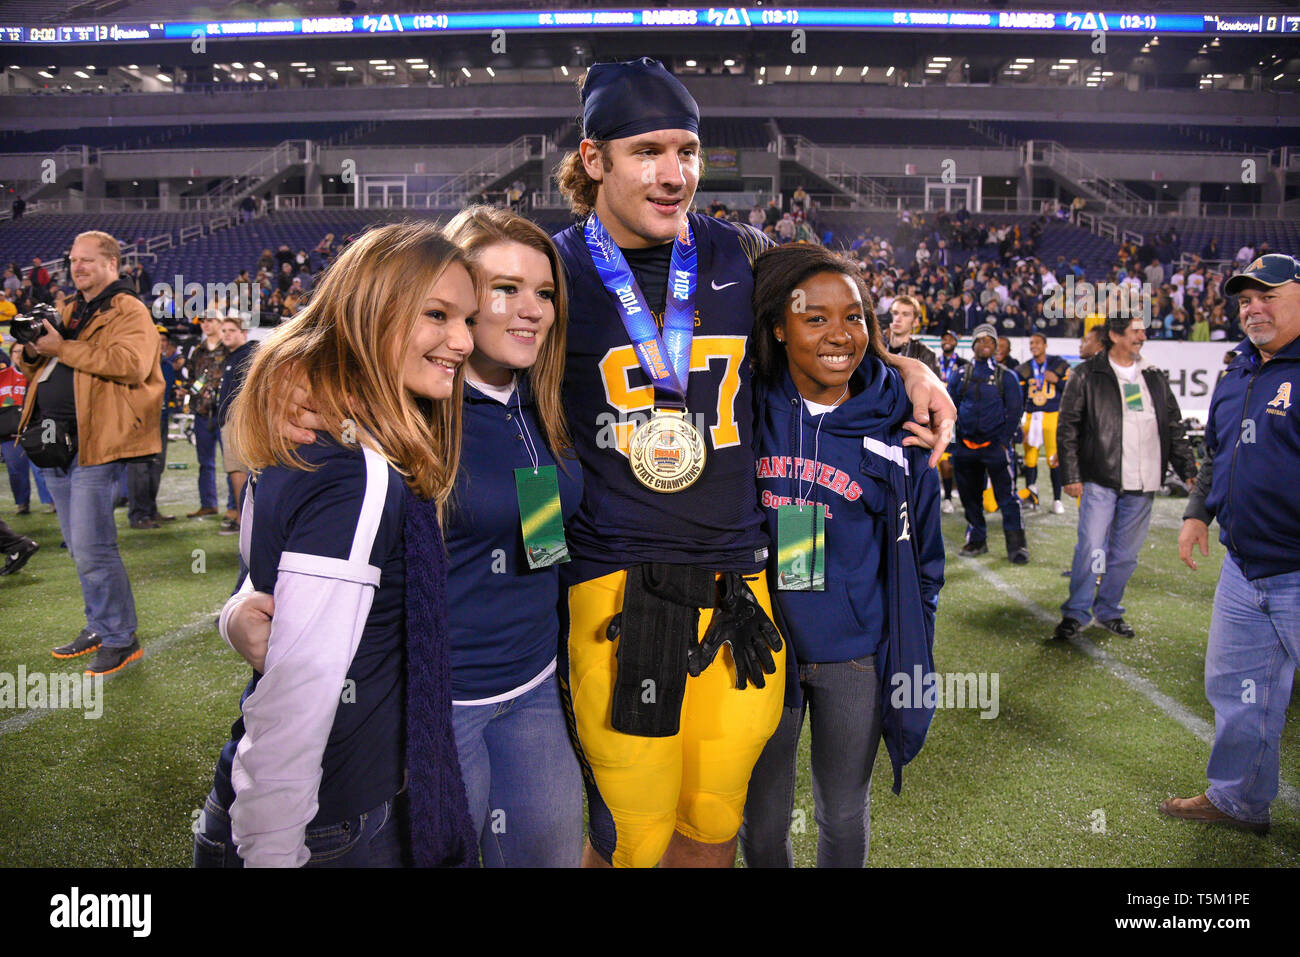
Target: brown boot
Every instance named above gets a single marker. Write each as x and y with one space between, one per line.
1199 808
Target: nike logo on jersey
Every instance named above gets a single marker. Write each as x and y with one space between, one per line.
717 288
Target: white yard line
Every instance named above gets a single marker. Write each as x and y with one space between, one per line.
204 622
1202 729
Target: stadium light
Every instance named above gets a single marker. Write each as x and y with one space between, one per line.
418 59
164 77
465 70
839 70
255 77
1064 60
132 66
299 63
690 63
941 59
259 64
813 70
1278 77
864 71
564 69
237 66
728 62
273 75
787 69
90 66
888 73
433 73
377 62
81 74
490 71
344 69
1025 60
48 76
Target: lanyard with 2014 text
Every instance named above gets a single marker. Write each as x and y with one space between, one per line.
666 453
665 359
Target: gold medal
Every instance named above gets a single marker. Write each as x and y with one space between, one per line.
667 453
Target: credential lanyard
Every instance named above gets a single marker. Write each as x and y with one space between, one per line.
665 359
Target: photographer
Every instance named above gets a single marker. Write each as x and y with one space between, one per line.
94 399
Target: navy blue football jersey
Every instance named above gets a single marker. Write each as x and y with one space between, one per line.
715 523
1048 397
342 521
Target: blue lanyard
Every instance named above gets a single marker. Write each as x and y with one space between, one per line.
1040 372
665 359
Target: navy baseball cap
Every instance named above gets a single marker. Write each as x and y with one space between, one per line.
1274 269
633 97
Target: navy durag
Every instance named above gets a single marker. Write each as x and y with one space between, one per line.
442 834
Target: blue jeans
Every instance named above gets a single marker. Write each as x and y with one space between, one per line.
84 497
1250 664
17 464
1112 528
372 839
207 436
522 779
844 698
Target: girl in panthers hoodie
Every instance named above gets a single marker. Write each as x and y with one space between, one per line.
856 591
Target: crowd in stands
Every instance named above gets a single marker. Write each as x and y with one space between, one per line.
999 278
963 271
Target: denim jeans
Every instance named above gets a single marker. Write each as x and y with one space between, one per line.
84 497
372 839
1250 664
1112 528
19 467
844 698
207 436
522 779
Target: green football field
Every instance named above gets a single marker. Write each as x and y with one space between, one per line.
1085 743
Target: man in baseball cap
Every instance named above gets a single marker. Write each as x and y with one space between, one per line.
989 405
1254 644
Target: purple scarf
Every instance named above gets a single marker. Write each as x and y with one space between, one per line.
442 834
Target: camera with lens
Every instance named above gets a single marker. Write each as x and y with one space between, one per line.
30 327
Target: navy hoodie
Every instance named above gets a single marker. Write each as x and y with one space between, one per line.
1259 519
878 600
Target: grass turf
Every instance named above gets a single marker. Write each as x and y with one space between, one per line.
1069 773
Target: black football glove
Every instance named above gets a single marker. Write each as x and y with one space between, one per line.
738 621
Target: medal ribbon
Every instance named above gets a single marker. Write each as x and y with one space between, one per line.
1040 372
665 359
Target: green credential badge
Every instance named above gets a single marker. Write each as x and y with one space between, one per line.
801 548
540 516
1133 396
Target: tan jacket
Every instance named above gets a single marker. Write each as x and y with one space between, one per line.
117 380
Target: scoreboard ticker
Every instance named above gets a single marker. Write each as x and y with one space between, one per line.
725 18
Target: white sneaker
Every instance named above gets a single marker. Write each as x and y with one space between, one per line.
1057 507
946 507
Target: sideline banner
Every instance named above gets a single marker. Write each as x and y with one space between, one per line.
1193 367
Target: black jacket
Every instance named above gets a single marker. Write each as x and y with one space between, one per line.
915 349
1090 430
